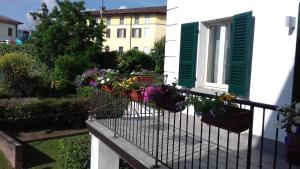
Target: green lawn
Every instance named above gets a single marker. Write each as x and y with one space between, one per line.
3 162
43 154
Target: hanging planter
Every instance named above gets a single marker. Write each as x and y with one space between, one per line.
173 104
136 95
293 149
235 119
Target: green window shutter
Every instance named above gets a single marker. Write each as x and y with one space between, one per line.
188 54
241 53
296 83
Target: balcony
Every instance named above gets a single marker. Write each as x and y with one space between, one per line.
181 140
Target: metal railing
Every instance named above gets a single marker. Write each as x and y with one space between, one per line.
183 140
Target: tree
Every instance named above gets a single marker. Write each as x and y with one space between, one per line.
158 55
65 31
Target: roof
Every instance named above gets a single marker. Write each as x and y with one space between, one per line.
4 19
145 10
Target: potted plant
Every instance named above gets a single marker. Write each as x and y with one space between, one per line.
221 112
166 97
144 76
291 123
131 88
106 80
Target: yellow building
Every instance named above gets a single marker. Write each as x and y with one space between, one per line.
134 28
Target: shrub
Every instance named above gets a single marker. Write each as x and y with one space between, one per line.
134 60
43 113
75 152
158 55
106 60
24 49
85 91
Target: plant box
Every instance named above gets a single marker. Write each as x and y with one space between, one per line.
293 150
107 88
136 95
145 79
169 103
237 120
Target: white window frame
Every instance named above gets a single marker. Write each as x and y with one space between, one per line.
122 20
137 20
147 32
203 52
147 19
108 20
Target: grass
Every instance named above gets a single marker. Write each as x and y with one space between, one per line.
43 154
3 162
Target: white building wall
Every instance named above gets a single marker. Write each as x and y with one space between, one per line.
273 46
4 31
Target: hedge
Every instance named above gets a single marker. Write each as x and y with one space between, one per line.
27 48
31 113
75 152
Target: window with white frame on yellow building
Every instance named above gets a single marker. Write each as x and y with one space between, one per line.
137 20
136 32
121 33
121 20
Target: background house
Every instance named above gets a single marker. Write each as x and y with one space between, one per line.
8 28
244 47
134 28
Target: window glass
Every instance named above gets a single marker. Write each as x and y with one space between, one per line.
108 22
120 48
218 48
121 20
147 19
136 32
9 31
136 20
147 32
108 33
121 33
136 48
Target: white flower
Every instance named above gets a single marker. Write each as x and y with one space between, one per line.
297 119
99 78
108 79
102 82
297 107
294 129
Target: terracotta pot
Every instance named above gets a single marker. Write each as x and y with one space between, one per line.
237 120
136 95
107 88
293 150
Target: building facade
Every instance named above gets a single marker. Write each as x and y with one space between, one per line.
135 28
8 29
236 47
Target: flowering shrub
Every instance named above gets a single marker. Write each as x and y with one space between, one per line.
165 96
127 84
291 118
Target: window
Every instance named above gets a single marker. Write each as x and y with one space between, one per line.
9 31
108 22
121 33
224 58
136 32
136 48
217 55
106 49
120 48
146 50
147 32
107 33
121 20
147 19
136 20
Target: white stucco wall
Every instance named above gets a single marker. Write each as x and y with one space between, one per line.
273 46
4 31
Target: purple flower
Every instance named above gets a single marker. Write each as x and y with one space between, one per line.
93 83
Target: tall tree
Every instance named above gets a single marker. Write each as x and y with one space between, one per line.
158 55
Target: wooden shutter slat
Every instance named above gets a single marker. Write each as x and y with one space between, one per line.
241 53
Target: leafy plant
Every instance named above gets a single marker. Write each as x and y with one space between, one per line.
158 55
134 60
291 118
75 152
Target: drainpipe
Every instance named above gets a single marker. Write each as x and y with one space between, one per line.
130 32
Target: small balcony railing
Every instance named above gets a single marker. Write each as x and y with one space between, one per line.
183 140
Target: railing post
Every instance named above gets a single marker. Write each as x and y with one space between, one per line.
157 140
115 116
250 138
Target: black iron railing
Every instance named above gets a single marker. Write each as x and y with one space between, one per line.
183 140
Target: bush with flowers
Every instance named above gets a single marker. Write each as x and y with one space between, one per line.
165 96
127 84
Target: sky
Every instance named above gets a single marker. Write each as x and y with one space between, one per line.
18 9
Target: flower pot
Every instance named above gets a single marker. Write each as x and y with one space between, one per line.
146 79
293 150
136 95
107 88
235 120
171 104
